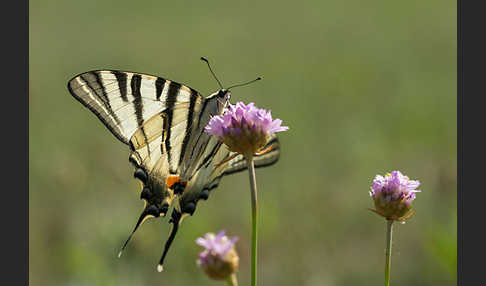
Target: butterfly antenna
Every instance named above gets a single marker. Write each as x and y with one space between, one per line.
211 70
141 219
175 220
246 83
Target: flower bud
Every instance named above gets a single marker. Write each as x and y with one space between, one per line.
219 259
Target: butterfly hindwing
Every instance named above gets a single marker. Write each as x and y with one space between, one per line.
210 172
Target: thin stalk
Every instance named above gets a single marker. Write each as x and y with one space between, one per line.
232 281
254 216
389 233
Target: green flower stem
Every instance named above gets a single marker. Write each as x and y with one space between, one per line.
232 281
254 216
389 233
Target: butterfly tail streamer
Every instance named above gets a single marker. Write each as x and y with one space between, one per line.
176 218
141 219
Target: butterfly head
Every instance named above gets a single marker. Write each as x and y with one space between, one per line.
223 98
224 94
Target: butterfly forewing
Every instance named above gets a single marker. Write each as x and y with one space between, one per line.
124 100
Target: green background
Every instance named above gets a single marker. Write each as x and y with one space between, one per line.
365 86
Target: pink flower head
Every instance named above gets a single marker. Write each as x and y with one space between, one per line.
219 258
244 128
393 194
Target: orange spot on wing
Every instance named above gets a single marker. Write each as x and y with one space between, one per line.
171 180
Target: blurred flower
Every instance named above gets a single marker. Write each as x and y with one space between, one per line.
393 195
219 259
245 129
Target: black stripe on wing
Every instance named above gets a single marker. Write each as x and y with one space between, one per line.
190 115
170 102
159 87
135 84
122 86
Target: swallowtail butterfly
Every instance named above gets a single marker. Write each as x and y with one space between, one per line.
162 122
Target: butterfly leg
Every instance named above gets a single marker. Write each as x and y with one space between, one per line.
407 216
266 150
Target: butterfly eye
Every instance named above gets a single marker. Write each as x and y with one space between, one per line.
204 194
146 193
141 175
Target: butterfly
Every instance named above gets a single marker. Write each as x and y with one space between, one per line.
162 122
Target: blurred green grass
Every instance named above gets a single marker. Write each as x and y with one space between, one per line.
365 86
